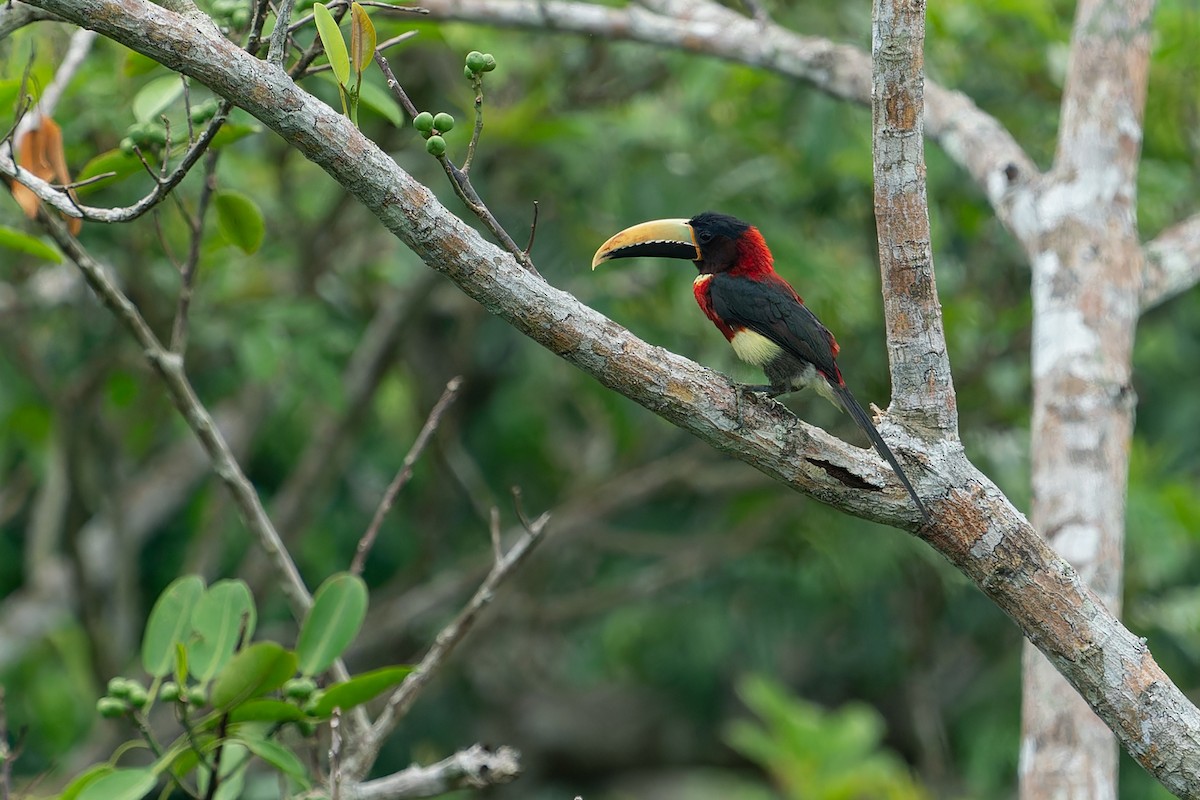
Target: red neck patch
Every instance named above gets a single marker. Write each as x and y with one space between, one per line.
754 257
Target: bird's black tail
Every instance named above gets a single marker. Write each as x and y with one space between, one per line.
864 421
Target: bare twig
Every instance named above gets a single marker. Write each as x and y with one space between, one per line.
477 85
402 699
494 527
187 274
473 768
404 473
532 228
277 52
63 202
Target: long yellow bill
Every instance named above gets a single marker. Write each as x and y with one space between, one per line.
664 238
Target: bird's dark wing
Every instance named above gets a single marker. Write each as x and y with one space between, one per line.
771 308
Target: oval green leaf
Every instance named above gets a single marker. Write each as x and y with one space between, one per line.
334 44
360 689
121 784
122 165
337 613
154 98
83 780
260 668
169 624
24 243
239 220
279 757
216 625
381 102
362 38
266 710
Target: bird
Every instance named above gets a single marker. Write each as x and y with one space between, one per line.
759 312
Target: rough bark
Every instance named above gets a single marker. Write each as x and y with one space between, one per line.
976 528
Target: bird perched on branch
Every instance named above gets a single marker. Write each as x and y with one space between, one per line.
758 311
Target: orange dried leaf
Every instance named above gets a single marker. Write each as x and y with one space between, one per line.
40 150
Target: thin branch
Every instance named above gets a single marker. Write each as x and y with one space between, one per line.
277 52
404 473
367 748
1172 263
187 274
474 768
169 367
64 203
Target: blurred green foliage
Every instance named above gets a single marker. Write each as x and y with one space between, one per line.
671 571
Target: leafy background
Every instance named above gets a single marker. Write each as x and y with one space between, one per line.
689 629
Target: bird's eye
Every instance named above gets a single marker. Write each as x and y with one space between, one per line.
704 237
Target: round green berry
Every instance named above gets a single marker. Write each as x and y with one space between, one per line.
468 74
196 696
314 701
489 62
299 688
138 696
443 122
120 687
203 112
436 146
111 707
423 122
476 61
169 693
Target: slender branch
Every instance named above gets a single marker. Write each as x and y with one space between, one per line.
169 367
277 51
367 748
61 200
474 768
404 473
187 275
1172 263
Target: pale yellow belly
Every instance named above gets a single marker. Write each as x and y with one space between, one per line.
753 348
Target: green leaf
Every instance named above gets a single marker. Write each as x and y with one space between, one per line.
24 243
239 220
234 131
359 689
123 164
154 98
334 44
266 710
216 625
337 613
169 624
362 39
381 102
260 668
84 779
121 784
279 757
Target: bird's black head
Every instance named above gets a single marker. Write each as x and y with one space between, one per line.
716 237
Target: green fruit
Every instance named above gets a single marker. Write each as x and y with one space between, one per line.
299 688
138 696
423 122
127 146
310 707
443 122
111 707
468 73
204 112
489 62
436 146
476 61
196 696
120 687
169 693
